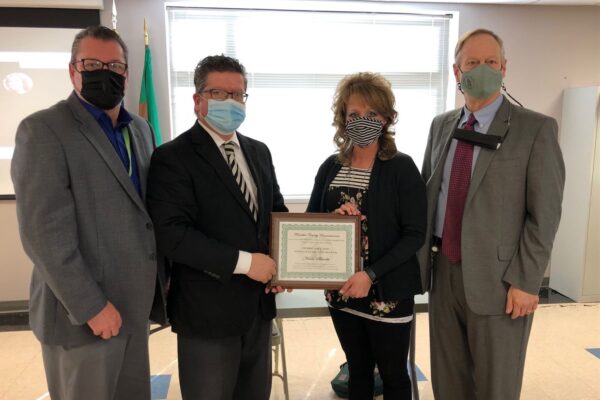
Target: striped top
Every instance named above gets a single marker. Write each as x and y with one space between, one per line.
351 185
356 178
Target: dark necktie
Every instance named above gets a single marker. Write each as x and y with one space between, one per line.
460 177
239 178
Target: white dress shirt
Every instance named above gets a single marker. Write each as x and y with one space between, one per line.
245 258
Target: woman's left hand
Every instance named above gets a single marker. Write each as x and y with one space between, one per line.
347 208
277 289
357 286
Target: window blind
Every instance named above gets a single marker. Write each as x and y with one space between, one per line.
295 59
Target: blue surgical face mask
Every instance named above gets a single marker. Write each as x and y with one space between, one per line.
226 115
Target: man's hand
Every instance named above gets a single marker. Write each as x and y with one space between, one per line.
357 285
107 322
262 268
520 303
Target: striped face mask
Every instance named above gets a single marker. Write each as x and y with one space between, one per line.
363 131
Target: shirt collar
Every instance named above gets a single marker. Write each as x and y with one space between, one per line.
123 119
484 116
217 139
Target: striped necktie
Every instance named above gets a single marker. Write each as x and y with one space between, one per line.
239 178
458 187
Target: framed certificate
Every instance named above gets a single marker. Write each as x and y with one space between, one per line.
314 250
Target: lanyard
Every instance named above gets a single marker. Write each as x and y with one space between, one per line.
127 139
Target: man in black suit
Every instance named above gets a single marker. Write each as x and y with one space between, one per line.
210 193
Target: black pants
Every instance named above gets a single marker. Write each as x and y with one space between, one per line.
232 368
368 342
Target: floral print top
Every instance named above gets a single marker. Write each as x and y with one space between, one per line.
350 185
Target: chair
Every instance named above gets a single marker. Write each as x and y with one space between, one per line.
412 371
278 347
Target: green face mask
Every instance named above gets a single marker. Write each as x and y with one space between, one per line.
481 82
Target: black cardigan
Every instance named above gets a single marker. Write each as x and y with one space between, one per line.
397 218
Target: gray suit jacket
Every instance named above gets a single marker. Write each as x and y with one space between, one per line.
82 223
513 205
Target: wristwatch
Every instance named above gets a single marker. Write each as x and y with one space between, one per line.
371 274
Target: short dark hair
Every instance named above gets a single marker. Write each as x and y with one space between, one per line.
221 63
97 32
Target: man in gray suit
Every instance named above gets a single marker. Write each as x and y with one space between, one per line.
79 171
493 214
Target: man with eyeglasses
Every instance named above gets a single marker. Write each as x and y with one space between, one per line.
210 193
79 171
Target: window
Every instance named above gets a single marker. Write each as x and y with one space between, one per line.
295 59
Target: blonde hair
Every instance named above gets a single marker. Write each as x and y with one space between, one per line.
481 31
377 93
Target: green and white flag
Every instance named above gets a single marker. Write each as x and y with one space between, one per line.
148 108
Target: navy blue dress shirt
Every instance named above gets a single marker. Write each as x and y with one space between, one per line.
115 136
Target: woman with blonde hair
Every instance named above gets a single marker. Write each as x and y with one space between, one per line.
373 311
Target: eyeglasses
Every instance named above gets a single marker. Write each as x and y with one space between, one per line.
221 95
91 64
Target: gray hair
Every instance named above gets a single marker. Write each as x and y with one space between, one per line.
470 34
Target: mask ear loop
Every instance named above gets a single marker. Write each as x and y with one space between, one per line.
458 84
508 94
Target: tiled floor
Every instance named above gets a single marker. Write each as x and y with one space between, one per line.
563 361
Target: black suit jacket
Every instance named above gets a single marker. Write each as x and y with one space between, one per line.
396 212
202 221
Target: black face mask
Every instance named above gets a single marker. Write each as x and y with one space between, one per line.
103 88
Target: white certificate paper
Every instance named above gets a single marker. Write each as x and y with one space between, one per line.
317 251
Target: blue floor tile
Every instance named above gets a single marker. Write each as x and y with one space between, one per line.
595 352
160 383
160 386
420 376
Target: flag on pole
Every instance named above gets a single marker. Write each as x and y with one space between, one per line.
148 107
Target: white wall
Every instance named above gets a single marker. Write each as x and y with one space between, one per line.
15 267
549 48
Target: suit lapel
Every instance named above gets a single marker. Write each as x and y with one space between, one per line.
499 127
441 150
92 131
206 148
